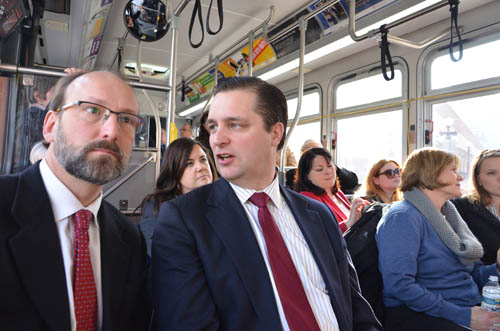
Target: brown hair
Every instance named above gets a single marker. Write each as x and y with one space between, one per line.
305 165
60 90
423 167
168 184
479 195
270 101
373 189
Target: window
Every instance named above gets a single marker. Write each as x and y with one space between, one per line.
478 63
368 118
462 110
348 94
309 125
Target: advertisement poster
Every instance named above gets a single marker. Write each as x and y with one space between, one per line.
236 65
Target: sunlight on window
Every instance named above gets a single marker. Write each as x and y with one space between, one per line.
310 105
466 127
364 140
478 63
301 134
368 90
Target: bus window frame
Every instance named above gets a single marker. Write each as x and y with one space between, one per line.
428 97
384 105
307 119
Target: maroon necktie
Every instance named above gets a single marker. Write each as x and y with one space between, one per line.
84 291
298 312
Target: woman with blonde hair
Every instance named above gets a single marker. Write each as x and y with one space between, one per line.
480 208
382 182
428 257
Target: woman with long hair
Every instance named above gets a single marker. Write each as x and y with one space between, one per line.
185 166
382 182
480 208
318 180
428 257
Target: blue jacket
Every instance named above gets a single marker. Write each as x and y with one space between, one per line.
420 272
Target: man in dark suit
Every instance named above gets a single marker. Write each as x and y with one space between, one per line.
245 253
68 259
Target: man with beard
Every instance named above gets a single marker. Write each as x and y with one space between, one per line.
68 259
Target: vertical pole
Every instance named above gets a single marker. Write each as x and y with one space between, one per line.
172 75
250 53
303 28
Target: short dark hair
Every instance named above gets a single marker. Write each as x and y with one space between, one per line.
271 102
305 165
168 184
60 90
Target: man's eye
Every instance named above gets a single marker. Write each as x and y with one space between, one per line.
234 125
212 127
93 110
125 119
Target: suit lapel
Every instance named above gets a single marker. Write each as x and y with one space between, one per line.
318 241
229 220
36 250
115 262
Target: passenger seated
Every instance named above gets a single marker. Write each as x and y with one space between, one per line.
185 167
480 209
428 257
382 182
290 160
348 179
318 180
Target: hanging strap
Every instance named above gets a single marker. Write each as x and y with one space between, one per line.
221 17
196 12
454 22
385 54
183 89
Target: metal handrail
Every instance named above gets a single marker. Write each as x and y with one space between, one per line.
127 177
422 44
14 69
172 73
371 33
303 28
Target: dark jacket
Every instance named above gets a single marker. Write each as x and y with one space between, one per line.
209 273
483 224
32 277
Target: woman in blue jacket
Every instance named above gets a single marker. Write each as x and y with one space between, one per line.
428 257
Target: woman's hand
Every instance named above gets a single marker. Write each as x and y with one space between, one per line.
357 206
484 320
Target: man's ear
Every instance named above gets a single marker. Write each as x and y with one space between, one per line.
277 132
50 126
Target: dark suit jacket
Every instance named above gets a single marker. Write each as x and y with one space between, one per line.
484 225
32 279
209 273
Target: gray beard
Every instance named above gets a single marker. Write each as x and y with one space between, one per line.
99 171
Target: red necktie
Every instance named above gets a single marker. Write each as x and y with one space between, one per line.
84 291
298 312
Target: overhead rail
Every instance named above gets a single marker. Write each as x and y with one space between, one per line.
230 50
372 33
14 69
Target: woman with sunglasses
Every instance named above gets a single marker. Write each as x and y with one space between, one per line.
428 258
318 180
480 208
382 182
185 167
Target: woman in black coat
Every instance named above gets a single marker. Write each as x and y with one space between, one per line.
481 208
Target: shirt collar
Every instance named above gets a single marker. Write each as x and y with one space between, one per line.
272 190
62 200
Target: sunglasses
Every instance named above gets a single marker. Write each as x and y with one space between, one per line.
390 173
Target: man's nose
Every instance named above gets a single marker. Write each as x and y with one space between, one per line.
219 137
110 127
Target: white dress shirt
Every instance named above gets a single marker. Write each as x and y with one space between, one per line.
312 281
64 204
